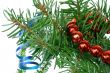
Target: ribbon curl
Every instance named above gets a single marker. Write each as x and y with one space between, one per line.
26 60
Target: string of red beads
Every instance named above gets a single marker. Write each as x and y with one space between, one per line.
84 45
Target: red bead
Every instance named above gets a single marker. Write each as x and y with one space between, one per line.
106 56
90 21
74 28
84 46
96 50
77 36
74 20
71 30
108 32
71 24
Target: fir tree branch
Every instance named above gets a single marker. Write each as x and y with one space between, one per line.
46 12
40 6
15 21
78 9
59 45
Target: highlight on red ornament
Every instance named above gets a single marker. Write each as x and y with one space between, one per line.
77 36
70 24
90 21
84 46
108 32
96 51
106 56
71 30
74 20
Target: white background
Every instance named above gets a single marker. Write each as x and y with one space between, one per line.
8 60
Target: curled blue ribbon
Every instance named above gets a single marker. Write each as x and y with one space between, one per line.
21 33
26 60
30 22
35 19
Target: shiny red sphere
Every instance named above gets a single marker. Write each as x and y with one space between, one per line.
90 21
77 37
84 46
71 24
74 28
74 20
96 50
108 32
106 56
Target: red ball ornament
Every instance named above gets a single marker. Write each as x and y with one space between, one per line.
96 50
84 46
106 56
77 36
90 21
74 20
74 28
108 32
71 24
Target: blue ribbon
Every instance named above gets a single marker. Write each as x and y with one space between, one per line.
23 65
30 22
26 60
21 33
